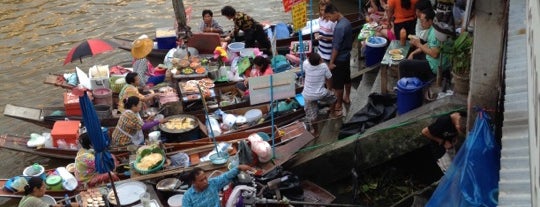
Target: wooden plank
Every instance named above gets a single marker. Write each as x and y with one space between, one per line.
23 112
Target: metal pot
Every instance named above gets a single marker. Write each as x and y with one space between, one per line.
180 135
168 184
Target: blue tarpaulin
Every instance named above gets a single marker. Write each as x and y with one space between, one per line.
472 179
100 142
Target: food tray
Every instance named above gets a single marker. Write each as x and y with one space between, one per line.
194 75
184 92
153 170
194 97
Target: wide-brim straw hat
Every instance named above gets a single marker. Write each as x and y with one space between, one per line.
142 47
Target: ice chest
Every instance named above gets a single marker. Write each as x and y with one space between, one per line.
99 76
166 38
71 104
65 130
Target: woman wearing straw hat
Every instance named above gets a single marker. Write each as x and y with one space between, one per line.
140 49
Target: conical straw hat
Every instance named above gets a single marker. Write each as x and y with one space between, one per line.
142 47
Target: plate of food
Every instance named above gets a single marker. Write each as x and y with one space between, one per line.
397 57
396 51
187 71
200 70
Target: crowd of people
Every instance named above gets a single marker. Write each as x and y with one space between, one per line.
327 80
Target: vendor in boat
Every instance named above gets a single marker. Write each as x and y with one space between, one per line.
33 191
129 129
261 67
209 24
130 89
141 48
205 192
85 167
253 30
141 65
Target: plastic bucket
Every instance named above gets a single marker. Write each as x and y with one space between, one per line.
236 46
35 170
103 111
409 94
54 183
102 96
375 49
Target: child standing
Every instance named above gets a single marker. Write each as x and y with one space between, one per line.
317 75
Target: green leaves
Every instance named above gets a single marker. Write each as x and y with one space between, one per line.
459 53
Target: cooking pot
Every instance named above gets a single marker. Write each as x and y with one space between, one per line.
168 184
180 135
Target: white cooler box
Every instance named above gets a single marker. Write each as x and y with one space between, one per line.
99 76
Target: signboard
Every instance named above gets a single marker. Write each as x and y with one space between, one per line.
283 85
287 4
299 15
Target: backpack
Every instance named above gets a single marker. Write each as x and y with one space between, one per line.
280 64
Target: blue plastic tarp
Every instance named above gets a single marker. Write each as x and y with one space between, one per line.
473 176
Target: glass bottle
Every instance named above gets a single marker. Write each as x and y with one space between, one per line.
402 36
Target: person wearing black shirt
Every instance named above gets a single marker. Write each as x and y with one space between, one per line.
444 131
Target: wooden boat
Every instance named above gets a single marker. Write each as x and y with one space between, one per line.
294 139
157 55
279 119
18 143
55 194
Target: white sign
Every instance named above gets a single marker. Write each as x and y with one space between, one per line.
283 86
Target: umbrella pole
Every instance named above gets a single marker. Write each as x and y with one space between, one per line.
203 99
114 189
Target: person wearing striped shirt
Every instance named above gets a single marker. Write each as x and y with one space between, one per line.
326 32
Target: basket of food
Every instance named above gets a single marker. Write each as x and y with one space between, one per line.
149 161
117 82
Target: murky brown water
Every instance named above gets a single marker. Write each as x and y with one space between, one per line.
36 35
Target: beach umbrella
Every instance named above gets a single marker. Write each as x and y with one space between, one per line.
89 47
104 162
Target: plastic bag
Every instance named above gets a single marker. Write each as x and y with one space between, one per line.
472 179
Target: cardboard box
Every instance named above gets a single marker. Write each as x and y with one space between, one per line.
68 131
166 38
71 104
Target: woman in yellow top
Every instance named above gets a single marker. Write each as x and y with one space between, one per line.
129 129
85 166
33 191
130 89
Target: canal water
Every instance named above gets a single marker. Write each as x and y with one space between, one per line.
36 35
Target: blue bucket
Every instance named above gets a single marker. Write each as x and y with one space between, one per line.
375 49
409 94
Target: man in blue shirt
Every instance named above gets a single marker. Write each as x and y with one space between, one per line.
340 64
204 192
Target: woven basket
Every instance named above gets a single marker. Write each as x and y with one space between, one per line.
153 170
116 88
